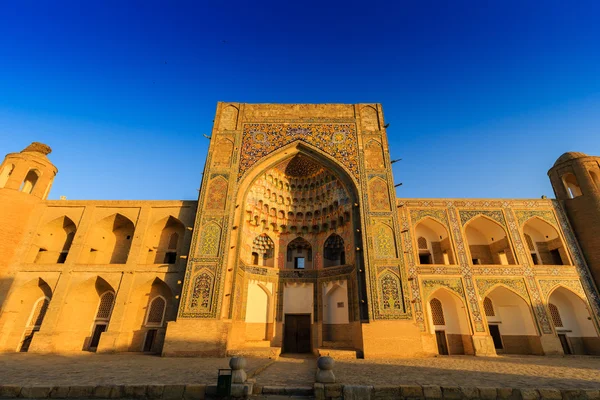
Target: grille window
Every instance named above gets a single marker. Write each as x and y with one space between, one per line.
106 305
488 307
422 242
555 316
437 313
156 311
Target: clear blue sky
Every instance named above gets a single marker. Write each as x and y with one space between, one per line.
482 96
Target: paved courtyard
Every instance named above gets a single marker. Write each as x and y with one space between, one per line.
101 369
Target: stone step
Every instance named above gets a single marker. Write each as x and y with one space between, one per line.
257 343
337 345
259 352
338 354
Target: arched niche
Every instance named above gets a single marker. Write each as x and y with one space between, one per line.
53 242
544 243
164 240
573 322
511 322
5 174
299 254
334 252
448 320
433 243
109 241
571 185
263 251
229 117
488 242
259 314
30 181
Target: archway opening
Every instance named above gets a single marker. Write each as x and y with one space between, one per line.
53 242
334 252
30 181
109 241
511 323
544 243
573 323
164 239
433 243
488 242
263 251
448 321
5 174
571 185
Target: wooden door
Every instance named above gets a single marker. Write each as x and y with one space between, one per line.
440 337
296 338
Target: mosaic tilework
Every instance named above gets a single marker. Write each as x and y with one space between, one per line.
379 195
201 291
374 155
223 153
390 292
337 140
209 240
547 285
384 242
431 285
438 214
546 215
467 215
216 195
517 285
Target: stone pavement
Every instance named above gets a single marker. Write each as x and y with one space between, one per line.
136 369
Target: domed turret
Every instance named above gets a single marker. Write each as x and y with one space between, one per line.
575 178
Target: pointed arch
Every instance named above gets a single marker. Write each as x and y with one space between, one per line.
571 185
229 117
53 242
6 173
109 240
374 155
216 195
164 239
578 334
30 181
544 242
202 290
210 240
488 242
384 241
369 118
391 292
334 252
379 196
223 153
264 248
259 321
299 254
448 320
433 242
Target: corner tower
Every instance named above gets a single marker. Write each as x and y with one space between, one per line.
25 181
575 178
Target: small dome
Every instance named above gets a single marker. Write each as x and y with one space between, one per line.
571 155
37 147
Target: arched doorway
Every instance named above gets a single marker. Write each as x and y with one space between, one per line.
573 322
433 243
449 322
511 323
544 243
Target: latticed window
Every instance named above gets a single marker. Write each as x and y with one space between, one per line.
555 316
156 311
488 307
422 242
437 312
39 311
106 305
529 242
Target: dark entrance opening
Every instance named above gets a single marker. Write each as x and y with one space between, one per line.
440 337
496 337
296 336
564 343
96 336
149 342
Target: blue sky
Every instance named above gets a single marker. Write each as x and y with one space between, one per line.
481 97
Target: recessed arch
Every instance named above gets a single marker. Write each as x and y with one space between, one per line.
578 335
512 323
448 320
488 242
370 118
334 252
571 185
433 242
53 241
544 243
5 174
164 239
264 249
299 254
109 240
374 155
30 181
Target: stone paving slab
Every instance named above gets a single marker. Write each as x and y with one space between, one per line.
111 369
504 371
290 371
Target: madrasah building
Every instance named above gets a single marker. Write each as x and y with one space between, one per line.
298 244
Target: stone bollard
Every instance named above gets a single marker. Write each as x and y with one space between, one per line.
237 364
325 370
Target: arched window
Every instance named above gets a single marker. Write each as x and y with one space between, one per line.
156 311
556 319
5 174
422 242
334 252
433 243
571 185
488 307
437 312
299 254
30 180
105 307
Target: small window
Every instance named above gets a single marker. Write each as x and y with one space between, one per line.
30 180
299 263
170 257
340 304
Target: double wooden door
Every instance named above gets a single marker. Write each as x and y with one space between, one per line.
296 336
